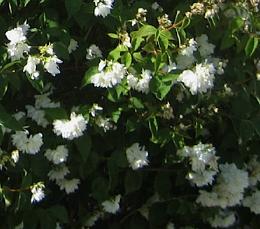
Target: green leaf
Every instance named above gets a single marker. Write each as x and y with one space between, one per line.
136 103
8 120
113 35
157 215
153 126
144 31
116 53
127 59
83 145
251 45
55 113
162 185
137 42
88 74
61 50
133 181
100 189
72 6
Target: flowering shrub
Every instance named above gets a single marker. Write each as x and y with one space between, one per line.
129 114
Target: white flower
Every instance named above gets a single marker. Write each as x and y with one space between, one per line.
29 145
95 109
37 193
205 48
51 65
16 51
58 226
184 61
15 156
141 84
253 202
103 7
58 172
72 128
57 156
229 189
109 75
17 34
68 185
73 45
19 115
202 178
37 115
30 67
189 50
136 156
199 80
126 41
112 206
43 101
223 219
20 226
93 52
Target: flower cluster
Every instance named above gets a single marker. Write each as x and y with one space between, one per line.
112 206
203 163
199 78
57 156
103 7
17 46
30 145
136 156
229 190
110 74
70 129
37 192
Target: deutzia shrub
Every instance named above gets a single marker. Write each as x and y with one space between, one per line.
129 114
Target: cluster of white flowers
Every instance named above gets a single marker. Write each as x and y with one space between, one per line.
140 16
70 129
253 202
37 192
37 113
50 63
103 7
136 156
112 206
57 156
93 52
199 78
203 163
17 46
156 6
140 84
125 39
223 219
229 189
110 74
167 111
105 123
30 145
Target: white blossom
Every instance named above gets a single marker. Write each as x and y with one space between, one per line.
254 170
93 218
17 34
110 74
16 51
73 45
229 189
253 202
69 186
200 79
93 52
15 156
140 84
223 219
37 193
43 101
37 115
70 129
57 156
58 172
19 115
103 7
136 156
205 48
30 145
30 67
170 225
112 206
51 65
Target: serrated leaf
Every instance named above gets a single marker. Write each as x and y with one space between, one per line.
83 145
8 120
127 59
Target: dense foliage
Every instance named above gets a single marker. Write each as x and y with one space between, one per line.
129 114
